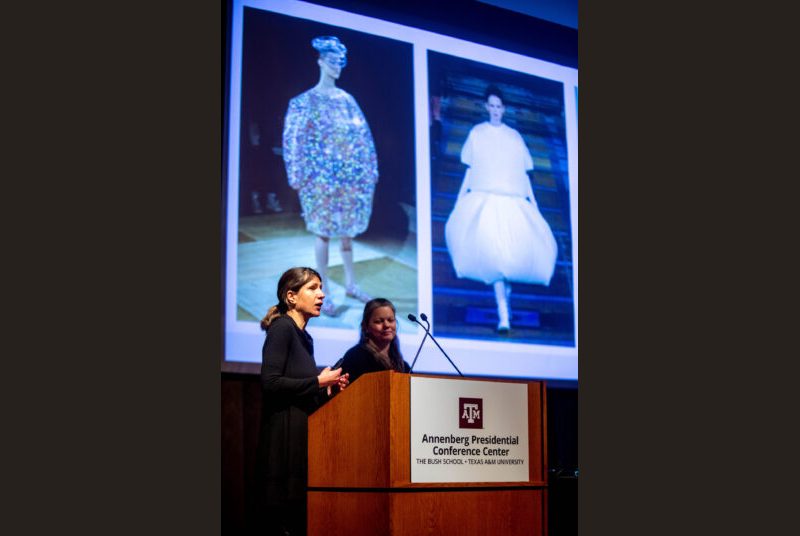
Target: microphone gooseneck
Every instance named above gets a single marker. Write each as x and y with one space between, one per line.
414 319
429 334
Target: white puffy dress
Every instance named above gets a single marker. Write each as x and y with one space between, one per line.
496 230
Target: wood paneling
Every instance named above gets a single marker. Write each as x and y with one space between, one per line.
241 416
468 513
400 429
417 513
537 432
348 438
348 514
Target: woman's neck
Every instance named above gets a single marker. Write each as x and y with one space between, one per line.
326 83
299 318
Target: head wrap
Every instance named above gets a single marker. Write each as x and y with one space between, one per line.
330 48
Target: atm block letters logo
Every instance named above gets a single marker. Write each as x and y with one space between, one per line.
470 413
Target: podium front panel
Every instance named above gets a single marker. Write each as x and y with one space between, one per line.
465 512
362 438
359 471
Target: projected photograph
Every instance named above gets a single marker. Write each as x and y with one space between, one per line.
500 204
326 174
400 163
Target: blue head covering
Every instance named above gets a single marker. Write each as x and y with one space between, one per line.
331 49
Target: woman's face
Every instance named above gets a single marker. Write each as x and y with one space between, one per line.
332 64
382 326
496 109
308 300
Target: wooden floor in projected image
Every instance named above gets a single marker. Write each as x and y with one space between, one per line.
270 243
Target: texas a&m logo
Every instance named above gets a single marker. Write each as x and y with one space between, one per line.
470 413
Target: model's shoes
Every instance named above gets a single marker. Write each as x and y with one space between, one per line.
272 203
328 308
503 327
354 292
255 203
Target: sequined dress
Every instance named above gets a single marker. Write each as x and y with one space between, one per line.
330 160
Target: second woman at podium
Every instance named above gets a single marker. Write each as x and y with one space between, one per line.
377 348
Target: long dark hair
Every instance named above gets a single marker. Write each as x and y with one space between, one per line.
394 347
292 279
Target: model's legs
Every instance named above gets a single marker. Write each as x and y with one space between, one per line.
347 258
321 255
501 296
349 271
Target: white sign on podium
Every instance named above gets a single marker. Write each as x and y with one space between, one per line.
468 431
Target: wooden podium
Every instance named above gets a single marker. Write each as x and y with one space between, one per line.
359 471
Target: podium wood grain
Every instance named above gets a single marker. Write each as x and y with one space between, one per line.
475 512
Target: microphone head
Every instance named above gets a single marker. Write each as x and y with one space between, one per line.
423 317
412 317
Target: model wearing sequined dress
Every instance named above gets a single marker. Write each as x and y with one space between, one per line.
495 233
330 160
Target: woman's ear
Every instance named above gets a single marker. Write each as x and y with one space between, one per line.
291 297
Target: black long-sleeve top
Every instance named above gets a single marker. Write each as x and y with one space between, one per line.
359 360
290 393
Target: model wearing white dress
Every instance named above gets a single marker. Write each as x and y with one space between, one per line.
496 231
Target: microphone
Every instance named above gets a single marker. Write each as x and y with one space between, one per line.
429 334
414 319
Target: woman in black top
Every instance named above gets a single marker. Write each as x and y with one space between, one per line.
292 388
377 348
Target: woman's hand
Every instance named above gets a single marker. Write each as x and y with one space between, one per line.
329 377
341 382
344 381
